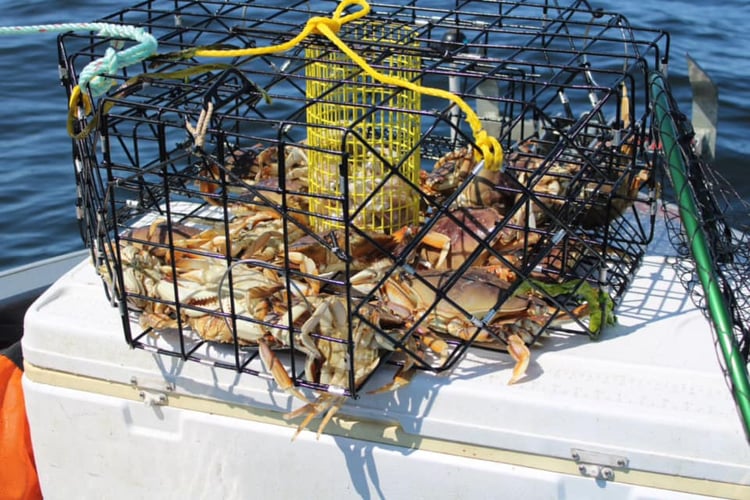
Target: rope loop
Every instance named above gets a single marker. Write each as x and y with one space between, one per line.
92 76
99 84
343 19
114 60
492 151
338 19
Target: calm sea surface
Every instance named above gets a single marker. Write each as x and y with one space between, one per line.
37 193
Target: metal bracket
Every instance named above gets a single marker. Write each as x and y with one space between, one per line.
705 109
598 465
152 398
153 394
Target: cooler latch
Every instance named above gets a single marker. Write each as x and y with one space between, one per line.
152 394
598 465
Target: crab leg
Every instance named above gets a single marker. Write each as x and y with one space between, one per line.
325 403
273 365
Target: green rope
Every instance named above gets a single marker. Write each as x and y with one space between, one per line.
717 306
112 61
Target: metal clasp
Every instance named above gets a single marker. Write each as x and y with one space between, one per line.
598 465
153 394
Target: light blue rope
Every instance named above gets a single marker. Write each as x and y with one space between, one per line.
112 61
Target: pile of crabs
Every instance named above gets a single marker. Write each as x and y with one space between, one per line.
260 277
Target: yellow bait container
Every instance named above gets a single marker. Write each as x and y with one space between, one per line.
364 156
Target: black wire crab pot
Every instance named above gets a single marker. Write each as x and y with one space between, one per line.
290 201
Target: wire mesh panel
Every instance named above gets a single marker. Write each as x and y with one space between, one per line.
199 195
369 120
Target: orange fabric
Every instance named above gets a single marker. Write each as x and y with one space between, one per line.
18 478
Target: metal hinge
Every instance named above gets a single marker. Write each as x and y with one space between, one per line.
152 394
598 465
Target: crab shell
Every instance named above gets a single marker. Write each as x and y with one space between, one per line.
295 162
603 193
145 257
206 307
141 272
454 309
456 236
484 190
448 172
476 292
249 166
363 250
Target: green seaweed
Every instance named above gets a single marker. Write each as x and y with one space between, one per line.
600 305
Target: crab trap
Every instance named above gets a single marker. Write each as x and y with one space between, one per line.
337 186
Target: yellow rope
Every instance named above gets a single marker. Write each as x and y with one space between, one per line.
489 147
76 96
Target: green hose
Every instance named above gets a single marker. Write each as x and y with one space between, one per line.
717 307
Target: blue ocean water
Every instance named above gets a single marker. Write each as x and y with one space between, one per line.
37 194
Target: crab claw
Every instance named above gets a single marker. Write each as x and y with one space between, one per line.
403 234
276 369
308 266
520 353
439 241
436 345
402 378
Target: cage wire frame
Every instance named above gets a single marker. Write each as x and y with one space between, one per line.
564 88
711 241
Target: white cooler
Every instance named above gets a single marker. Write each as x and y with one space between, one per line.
643 413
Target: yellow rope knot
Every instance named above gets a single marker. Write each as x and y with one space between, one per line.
491 151
314 25
338 19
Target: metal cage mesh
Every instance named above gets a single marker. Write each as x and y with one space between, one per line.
207 246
